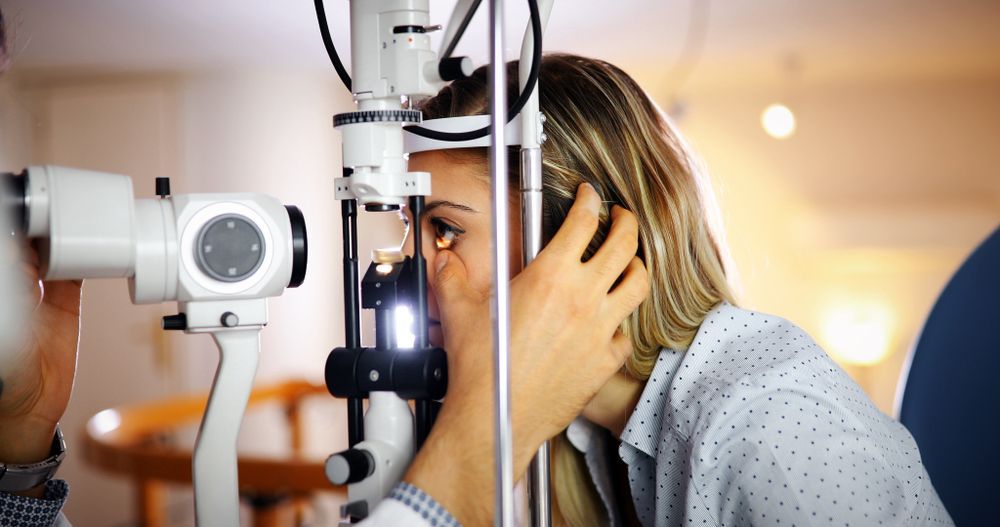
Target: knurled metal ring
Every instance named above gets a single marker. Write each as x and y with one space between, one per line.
377 116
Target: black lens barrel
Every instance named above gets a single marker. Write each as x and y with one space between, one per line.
13 198
300 246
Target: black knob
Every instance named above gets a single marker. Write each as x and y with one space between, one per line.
162 187
175 322
453 68
229 319
349 466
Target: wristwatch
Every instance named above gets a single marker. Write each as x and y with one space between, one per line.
18 478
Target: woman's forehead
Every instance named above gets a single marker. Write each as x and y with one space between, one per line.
452 178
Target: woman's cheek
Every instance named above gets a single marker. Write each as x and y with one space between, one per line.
436 335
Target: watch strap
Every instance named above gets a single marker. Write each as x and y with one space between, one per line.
16 477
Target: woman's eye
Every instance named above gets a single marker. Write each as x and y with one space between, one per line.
445 235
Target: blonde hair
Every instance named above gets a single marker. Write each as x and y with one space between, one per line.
603 129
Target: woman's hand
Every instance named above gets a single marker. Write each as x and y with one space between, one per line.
38 377
564 344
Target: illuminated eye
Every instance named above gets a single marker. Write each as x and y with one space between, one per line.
445 241
445 235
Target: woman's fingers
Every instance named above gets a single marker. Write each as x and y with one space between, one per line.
579 227
618 249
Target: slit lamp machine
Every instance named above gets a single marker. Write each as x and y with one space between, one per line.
220 256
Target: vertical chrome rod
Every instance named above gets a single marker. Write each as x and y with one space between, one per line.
539 498
539 490
504 515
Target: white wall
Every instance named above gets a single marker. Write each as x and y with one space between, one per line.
882 192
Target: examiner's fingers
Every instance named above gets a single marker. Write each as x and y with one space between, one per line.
32 285
621 347
630 291
64 295
29 254
580 225
619 246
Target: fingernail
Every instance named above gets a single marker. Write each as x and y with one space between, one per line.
441 261
593 201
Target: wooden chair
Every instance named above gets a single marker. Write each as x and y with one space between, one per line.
129 440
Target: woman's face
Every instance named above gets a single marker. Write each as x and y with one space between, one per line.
457 217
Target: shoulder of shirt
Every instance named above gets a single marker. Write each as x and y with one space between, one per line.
741 358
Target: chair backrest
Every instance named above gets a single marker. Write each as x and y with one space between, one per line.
951 399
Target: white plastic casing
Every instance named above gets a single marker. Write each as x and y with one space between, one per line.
194 211
85 220
389 438
386 67
166 268
156 267
89 226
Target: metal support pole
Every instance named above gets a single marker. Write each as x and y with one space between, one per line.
352 310
539 498
539 490
424 407
504 515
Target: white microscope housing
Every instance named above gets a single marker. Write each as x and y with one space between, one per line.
220 256
197 249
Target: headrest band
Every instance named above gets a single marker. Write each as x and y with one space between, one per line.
413 143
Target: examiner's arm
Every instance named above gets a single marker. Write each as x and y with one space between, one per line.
564 344
36 379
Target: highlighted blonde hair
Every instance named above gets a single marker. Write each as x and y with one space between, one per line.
602 128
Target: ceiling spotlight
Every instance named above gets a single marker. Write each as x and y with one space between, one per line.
778 121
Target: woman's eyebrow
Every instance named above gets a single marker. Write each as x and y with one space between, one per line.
450 204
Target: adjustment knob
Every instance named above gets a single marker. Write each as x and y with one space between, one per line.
176 322
349 466
163 187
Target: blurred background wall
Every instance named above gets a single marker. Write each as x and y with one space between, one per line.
850 226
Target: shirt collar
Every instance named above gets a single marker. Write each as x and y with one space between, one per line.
643 429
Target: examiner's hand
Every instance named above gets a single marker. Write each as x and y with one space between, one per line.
38 377
565 345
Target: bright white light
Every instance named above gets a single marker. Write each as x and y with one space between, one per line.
405 338
383 268
778 121
858 334
105 421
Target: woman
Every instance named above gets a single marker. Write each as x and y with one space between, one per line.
726 417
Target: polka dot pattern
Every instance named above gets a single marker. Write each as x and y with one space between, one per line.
429 510
755 425
21 511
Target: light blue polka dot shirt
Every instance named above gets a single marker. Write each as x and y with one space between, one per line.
755 425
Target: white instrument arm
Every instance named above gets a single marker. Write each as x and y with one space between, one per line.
216 485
